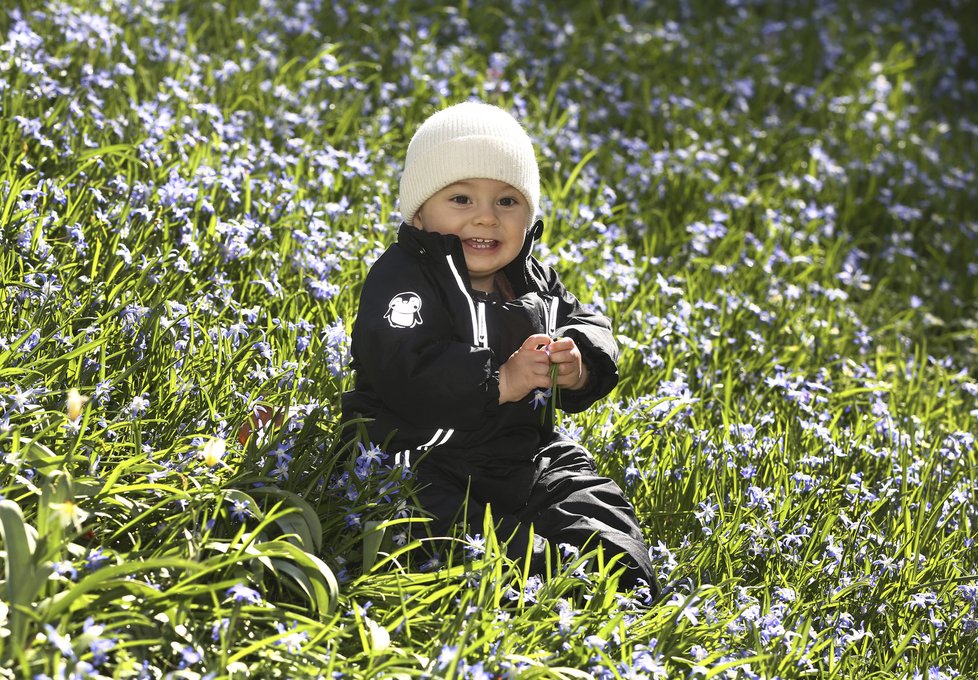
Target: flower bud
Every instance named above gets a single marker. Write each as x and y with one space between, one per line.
75 404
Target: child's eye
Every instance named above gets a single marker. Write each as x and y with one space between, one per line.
508 201
461 199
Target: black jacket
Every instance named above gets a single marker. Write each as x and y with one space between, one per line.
427 349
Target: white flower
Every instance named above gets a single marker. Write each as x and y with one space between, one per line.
69 513
213 451
4 609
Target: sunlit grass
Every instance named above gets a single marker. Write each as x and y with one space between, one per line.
773 204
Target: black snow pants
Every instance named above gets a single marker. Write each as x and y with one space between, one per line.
559 493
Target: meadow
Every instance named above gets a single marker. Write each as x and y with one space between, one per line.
773 202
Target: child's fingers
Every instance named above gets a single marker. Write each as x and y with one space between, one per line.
562 345
568 371
565 356
540 367
561 357
536 341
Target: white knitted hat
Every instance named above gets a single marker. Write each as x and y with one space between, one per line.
468 141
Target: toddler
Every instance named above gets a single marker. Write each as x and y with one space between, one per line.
461 335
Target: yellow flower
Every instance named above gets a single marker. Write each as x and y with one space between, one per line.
69 513
213 451
75 404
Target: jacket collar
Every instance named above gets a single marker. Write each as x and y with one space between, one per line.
518 271
431 243
420 242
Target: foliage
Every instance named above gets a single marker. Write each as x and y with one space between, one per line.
774 202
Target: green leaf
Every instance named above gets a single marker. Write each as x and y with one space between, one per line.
24 579
321 582
110 577
373 536
305 525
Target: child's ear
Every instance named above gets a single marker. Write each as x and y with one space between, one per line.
416 221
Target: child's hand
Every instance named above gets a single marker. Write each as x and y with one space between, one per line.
528 368
571 371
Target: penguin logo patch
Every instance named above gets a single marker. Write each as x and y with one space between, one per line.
402 312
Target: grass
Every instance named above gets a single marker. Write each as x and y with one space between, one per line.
772 202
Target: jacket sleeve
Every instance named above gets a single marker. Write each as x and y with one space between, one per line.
592 333
406 346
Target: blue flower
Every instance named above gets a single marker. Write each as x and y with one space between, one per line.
241 593
236 332
99 646
21 399
368 459
101 394
447 655
240 511
295 638
219 627
67 569
540 398
138 406
264 349
475 546
95 559
595 642
61 642
188 656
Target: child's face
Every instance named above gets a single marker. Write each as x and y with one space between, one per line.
489 217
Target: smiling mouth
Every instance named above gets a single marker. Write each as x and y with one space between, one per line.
481 243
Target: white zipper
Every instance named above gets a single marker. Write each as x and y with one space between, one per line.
477 314
483 332
552 317
473 314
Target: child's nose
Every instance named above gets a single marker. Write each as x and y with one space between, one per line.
486 214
